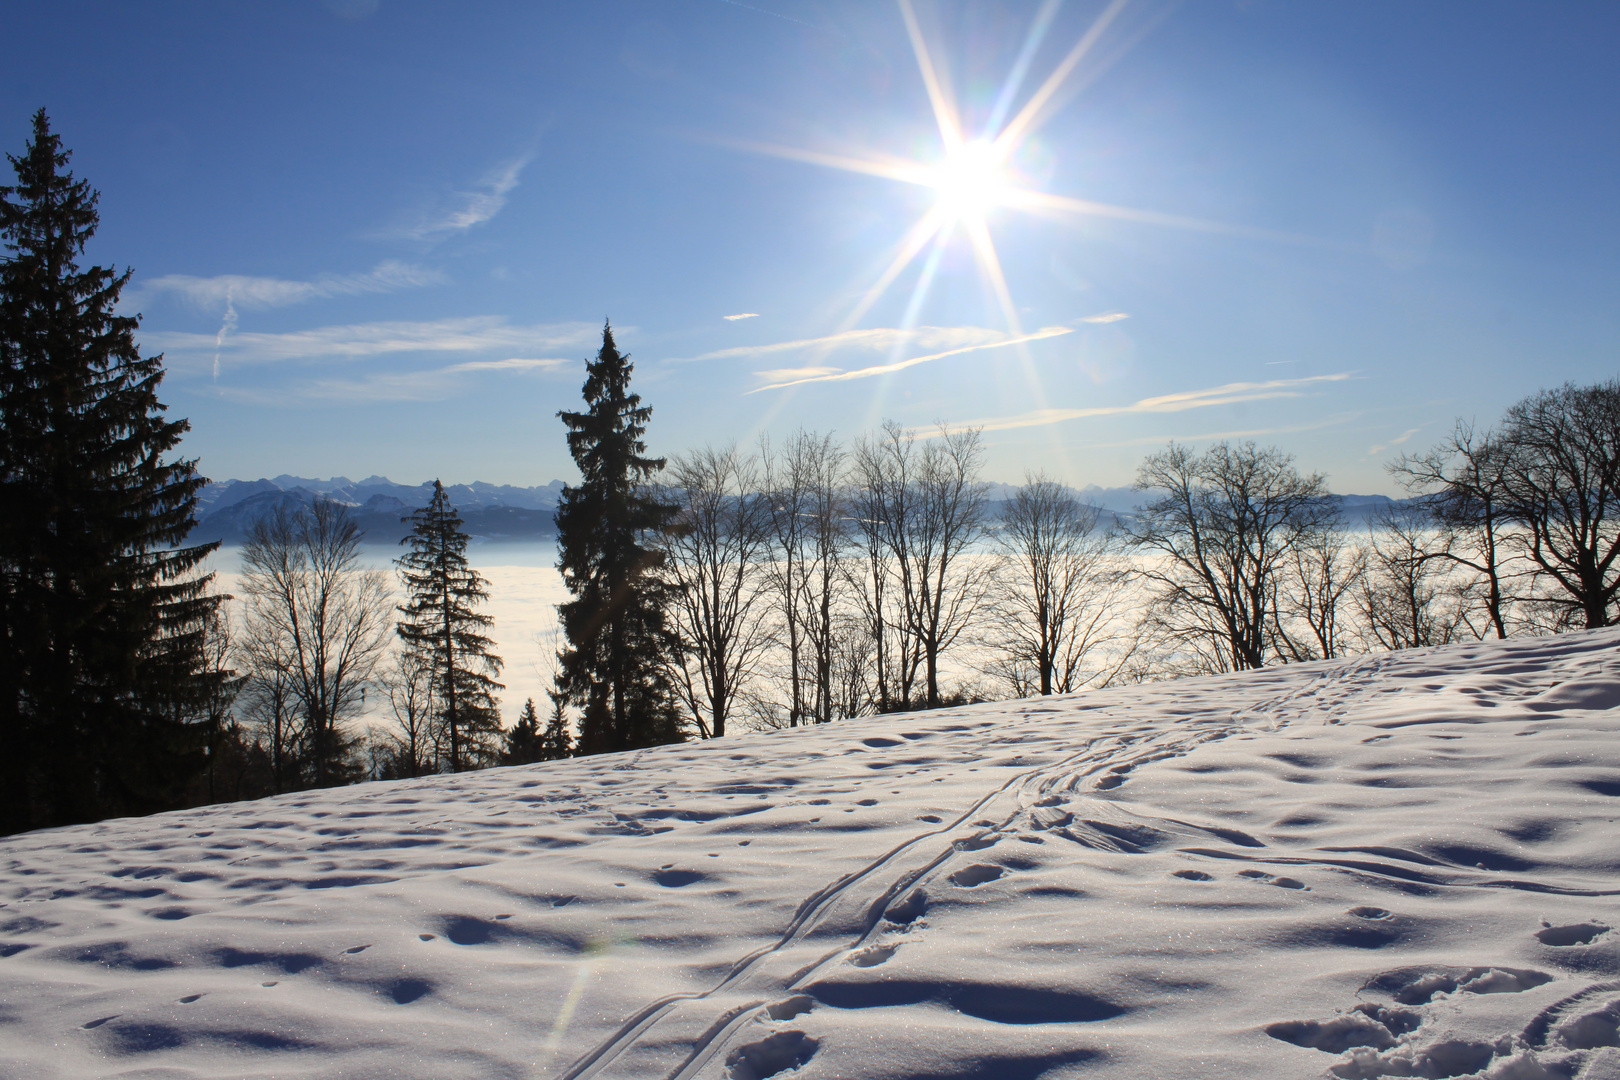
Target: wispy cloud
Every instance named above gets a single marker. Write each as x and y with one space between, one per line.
482 334
744 315
900 365
227 327
877 339
1105 317
782 376
425 385
469 208
1227 394
1379 448
244 291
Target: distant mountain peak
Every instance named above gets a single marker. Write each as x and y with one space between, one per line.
226 509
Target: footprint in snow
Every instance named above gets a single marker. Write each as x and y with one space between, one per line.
873 955
1565 936
771 1055
977 874
909 910
976 843
1368 1024
1371 1034
1419 985
1587 1020
794 1007
677 879
1280 882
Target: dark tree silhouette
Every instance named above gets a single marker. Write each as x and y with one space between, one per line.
104 620
441 624
525 741
1561 482
616 667
556 742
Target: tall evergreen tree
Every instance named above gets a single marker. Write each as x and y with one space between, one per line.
527 742
615 669
524 740
441 623
556 742
103 618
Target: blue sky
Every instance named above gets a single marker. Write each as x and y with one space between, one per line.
381 237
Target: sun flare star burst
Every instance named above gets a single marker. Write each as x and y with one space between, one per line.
970 176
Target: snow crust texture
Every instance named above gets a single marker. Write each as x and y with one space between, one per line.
1398 865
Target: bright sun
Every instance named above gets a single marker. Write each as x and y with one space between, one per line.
973 176
970 182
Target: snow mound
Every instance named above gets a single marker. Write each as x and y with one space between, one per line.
1398 865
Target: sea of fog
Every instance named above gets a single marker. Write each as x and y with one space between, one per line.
524 590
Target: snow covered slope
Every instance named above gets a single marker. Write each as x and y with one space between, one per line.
1404 864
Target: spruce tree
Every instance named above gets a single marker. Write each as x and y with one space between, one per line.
615 669
441 624
524 740
104 619
556 742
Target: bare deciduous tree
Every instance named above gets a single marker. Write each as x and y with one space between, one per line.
806 518
713 555
1406 597
879 495
822 581
268 705
1463 477
1317 581
943 585
316 625
1218 540
1560 483
411 745
222 684
1057 596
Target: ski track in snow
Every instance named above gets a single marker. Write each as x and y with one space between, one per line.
1396 865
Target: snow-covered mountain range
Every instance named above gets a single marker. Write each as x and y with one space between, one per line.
226 509
491 511
1401 864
